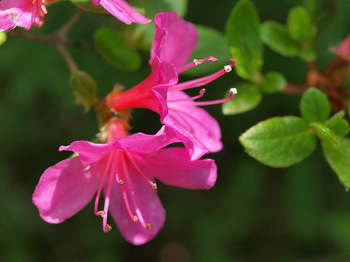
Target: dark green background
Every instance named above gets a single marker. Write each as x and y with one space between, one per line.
254 213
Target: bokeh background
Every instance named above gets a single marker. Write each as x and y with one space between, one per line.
254 213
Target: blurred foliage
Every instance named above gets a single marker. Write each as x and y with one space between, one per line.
254 213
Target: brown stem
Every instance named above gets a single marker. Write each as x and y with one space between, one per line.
67 57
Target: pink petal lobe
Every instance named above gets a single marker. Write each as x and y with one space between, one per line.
123 11
89 152
343 49
175 39
195 123
173 167
64 189
149 205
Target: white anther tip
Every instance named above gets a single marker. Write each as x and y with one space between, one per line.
233 91
228 68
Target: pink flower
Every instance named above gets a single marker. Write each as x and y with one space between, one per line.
125 168
122 11
172 46
343 49
22 13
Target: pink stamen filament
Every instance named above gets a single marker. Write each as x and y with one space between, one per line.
188 99
106 227
97 199
149 181
203 80
233 91
195 63
131 190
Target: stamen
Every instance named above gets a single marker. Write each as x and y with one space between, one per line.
101 213
107 228
196 62
97 199
155 187
201 93
203 80
233 91
148 226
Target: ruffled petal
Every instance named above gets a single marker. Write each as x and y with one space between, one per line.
144 144
64 189
195 123
173 167
175 39
89 152
149 205
123 11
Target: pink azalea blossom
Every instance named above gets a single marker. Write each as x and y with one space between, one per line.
124 168
172 46
343 49
25 13
22 13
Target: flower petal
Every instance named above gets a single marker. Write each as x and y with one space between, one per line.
123 11
64 189
175 39
149 205
173 167
195 123
88 152
343 49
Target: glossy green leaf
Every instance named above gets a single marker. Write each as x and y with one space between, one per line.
273 82
323 132
115 50
314 106
338 124
279 141
242 36
299 24
3 37
210 43
85 88
275 36
248 97
338 158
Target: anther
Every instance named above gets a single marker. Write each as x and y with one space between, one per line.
227 68
135 219
202 91
101 213
213 59
197 62
233 91
121 182
154 186
148 226
107 228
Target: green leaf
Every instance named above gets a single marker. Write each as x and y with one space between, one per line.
307 54
115 50
85 88
323 132
275 36
210 43
242 35
315 106
247 98
3 37
273 82
338 158
299 24
279 141
338 124
87 5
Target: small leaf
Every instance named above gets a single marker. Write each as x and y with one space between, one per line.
279 141
115 50
247 98
3 37
273 82
338 124
307 54
314 106
299 24
275 36
338 158
210 43
323 132
85 88
242 35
